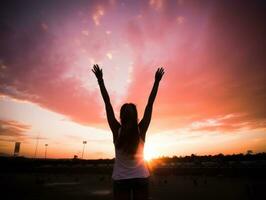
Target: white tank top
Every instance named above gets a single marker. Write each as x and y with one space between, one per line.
126 167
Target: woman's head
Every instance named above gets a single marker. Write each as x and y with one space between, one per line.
128 139
128 114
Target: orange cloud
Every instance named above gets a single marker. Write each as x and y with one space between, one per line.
97 15
13 128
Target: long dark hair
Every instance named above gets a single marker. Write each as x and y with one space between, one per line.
128 139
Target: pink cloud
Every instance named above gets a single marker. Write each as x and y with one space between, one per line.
213 68
213 59
37 65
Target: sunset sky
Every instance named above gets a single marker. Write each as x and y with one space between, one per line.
212 98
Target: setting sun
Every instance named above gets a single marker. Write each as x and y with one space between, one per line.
150 152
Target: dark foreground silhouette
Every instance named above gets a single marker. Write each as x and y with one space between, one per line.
131 176
231 177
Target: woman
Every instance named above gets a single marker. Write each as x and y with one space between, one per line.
130 174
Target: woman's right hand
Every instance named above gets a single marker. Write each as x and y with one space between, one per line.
159 74
98 72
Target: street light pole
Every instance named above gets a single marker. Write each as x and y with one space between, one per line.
36 146
84 142
46 146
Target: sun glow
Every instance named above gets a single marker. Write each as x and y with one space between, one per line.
150 152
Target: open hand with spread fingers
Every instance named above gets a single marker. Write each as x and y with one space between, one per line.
98 72
159 74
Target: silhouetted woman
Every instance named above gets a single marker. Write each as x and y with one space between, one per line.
130 174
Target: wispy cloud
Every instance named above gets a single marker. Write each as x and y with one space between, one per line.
13 128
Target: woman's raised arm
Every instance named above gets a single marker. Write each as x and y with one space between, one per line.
113 123
144 123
